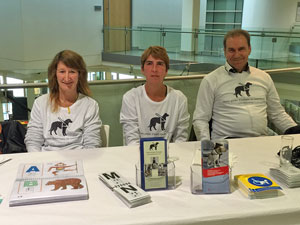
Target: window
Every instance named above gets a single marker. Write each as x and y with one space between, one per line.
122 76
17 92
92 76
221 15
7 110
114 76
298 12
125 76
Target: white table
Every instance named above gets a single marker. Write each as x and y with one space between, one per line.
177 206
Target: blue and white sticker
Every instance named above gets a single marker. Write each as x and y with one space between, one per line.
260 181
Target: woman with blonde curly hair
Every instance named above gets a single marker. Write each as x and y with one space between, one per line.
67 117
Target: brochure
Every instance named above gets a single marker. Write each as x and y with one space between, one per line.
256 186
290 175
154 163
215 166
130 194
49 182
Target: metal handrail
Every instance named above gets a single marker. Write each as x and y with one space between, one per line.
262 33
139 80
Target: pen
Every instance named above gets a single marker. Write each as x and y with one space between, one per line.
5 161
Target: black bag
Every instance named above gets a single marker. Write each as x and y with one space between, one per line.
12 137
293 130
296 157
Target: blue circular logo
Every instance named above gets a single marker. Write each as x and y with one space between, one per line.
260 181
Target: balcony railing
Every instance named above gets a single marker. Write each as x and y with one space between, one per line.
270 49
109 93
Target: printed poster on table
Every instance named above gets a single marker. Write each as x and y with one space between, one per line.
154 163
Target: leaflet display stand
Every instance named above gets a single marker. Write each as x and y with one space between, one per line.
210 170
171 175
155 171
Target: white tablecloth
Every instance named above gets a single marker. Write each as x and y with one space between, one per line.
179 206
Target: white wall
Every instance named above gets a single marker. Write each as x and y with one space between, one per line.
202 21
269 14
11 35
33 31
156 12
36 30
187 25
165 13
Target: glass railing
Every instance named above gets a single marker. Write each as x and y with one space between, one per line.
109 93
270 49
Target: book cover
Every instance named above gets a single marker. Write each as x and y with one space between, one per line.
215 166
154 163
49 182
130 194
257 185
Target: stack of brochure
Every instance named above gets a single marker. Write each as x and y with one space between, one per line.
290 176
257 186
130 194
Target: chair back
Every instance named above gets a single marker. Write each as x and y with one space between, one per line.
104 133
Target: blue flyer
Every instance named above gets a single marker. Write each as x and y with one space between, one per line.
154 166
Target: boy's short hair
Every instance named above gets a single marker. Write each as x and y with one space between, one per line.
156 52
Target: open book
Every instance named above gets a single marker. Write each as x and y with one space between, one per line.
129 193
49 182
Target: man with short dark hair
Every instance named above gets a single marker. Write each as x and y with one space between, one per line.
237 98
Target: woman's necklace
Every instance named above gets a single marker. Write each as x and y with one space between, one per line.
68 105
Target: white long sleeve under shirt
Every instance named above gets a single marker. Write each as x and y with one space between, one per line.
75 128
238 104
142 117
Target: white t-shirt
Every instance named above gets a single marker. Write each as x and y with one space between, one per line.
142 117
74 128
238 104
